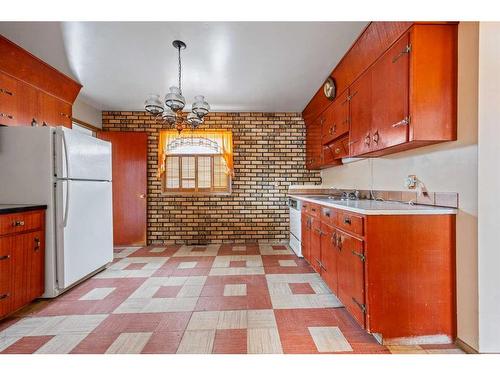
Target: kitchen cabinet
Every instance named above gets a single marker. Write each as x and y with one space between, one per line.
400 84
313 143
22 259
395 274
31 90
315 250
335 119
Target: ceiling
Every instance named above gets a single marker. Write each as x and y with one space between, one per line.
238 66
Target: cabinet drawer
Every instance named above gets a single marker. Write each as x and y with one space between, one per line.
21 222
351 223
329 215
5 275
314 210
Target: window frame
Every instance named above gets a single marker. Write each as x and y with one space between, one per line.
194 191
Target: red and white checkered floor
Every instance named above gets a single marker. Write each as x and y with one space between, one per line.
229 298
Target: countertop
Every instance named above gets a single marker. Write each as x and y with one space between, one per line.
373 207
12 208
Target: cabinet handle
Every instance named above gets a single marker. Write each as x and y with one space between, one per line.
406 50
367 139
34 122
37 244
3 257
347 220
337 150
65 115
18 223
361 306
334 239
319 231
376 137
361 256
6 92
403 122
327 213
3 296
339 242
10 117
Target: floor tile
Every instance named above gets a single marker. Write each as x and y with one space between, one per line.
97 294
261 319
61 344
230 341
287 263
202 320
235 290
129 343
301 288
197 342
329 339
263 341
236 319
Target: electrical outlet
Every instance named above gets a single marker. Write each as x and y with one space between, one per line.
411 181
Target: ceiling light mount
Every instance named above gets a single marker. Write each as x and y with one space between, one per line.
170 111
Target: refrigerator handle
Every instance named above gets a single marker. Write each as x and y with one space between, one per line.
66 207
65 147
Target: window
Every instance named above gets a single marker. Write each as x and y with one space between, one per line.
196 162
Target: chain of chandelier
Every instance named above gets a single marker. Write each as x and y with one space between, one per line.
171 110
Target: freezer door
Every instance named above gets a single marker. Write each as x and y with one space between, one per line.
84 231
80 156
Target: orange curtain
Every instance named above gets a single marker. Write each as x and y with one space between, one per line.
224 138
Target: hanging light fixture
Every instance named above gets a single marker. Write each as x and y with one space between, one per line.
170 111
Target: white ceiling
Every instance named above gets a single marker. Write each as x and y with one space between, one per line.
238 66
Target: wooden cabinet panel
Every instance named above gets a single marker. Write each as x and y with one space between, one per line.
390 89
315 259
336 119
5 275
351 275
329 255
27 105
53 112
306 236
36 266
313 144
335 151
21 222
360 115
350 222
22 260
8 100
329 216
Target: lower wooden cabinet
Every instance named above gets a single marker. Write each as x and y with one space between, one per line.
22 260
395 274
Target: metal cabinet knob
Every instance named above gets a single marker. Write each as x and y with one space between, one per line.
18 223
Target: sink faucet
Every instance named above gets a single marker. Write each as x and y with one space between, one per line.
352 195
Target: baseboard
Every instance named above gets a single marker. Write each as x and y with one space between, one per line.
465 347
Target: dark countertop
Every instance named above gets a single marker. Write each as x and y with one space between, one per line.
11 208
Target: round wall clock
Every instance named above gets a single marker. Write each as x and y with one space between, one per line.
329 88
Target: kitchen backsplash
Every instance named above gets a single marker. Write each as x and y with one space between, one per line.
269 156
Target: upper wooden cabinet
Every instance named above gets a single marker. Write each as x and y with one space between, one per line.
32 91
313 143
401 89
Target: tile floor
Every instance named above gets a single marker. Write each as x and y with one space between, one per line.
241 298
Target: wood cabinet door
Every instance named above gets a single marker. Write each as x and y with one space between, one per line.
313 144
390 96
336 119
5 275
351 275
329 257
306 237
130 160
316 244
8 100
36 265
360 115
53 111
20 245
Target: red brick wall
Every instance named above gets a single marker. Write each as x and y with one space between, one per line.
269 155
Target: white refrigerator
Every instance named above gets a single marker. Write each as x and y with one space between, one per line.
70 172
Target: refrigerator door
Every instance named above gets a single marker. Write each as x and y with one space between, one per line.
80 156
84 231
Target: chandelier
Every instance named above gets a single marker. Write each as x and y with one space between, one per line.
170 111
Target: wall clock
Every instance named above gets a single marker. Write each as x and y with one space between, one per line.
329 88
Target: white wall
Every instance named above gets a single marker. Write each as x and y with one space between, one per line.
489 185
86 113
448 167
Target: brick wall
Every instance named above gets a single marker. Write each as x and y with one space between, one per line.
269 155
